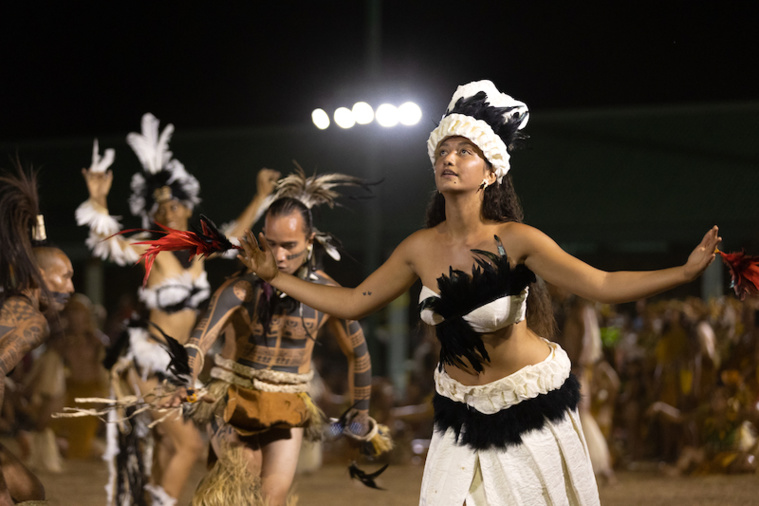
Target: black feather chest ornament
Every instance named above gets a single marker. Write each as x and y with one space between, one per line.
492 277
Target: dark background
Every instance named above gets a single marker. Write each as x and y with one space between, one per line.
644 124
93 68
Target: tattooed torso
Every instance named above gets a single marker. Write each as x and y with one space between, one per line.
288 341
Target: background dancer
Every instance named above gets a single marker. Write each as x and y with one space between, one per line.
262 374
35 282
164 193
506 423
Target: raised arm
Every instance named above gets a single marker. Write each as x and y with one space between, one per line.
546 259
227 299
265 183
93 213
389 281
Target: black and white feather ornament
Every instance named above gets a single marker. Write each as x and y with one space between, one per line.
490 119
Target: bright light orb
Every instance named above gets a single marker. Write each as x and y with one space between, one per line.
344 118
363 113
320 119
409 114
387 115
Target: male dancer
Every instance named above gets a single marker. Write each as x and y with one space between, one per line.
263 372
34 282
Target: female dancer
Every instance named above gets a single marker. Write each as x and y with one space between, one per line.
506 423
165 193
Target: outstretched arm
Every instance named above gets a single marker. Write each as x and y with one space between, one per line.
265 183
546 259
389 281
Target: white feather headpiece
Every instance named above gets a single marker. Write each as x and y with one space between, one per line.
161 172
490 119
150 148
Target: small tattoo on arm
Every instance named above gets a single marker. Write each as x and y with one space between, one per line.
367 293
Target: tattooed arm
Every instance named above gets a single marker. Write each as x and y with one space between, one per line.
351 339
225 302
22 328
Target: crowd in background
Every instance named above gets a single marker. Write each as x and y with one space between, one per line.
668 385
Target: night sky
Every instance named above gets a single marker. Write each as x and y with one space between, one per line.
86 69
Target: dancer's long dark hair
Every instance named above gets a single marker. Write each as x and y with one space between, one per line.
19 207
501 203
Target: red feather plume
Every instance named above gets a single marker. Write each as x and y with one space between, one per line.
744 270
204 242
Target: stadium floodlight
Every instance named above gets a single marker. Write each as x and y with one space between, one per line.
363 113
409 114
344 117
387 115
320 119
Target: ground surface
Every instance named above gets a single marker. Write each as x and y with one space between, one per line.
81 484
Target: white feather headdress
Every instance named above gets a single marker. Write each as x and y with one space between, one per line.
160 172
490 119
314 191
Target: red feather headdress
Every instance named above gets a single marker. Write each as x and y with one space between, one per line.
204 242
744 270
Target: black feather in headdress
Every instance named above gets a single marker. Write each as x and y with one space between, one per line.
492 277
504 123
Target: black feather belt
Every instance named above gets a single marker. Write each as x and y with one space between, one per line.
505 428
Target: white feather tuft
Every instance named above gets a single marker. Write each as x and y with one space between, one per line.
101 164
100 223
151 149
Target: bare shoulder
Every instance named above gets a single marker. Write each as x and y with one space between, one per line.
419 241
520 239
19 309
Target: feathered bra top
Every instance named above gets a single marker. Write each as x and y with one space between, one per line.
492 297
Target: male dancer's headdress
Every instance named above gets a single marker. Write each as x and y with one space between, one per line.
490 119
163 178
22 227
313 191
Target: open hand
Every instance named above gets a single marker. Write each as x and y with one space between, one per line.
703 255
258 257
